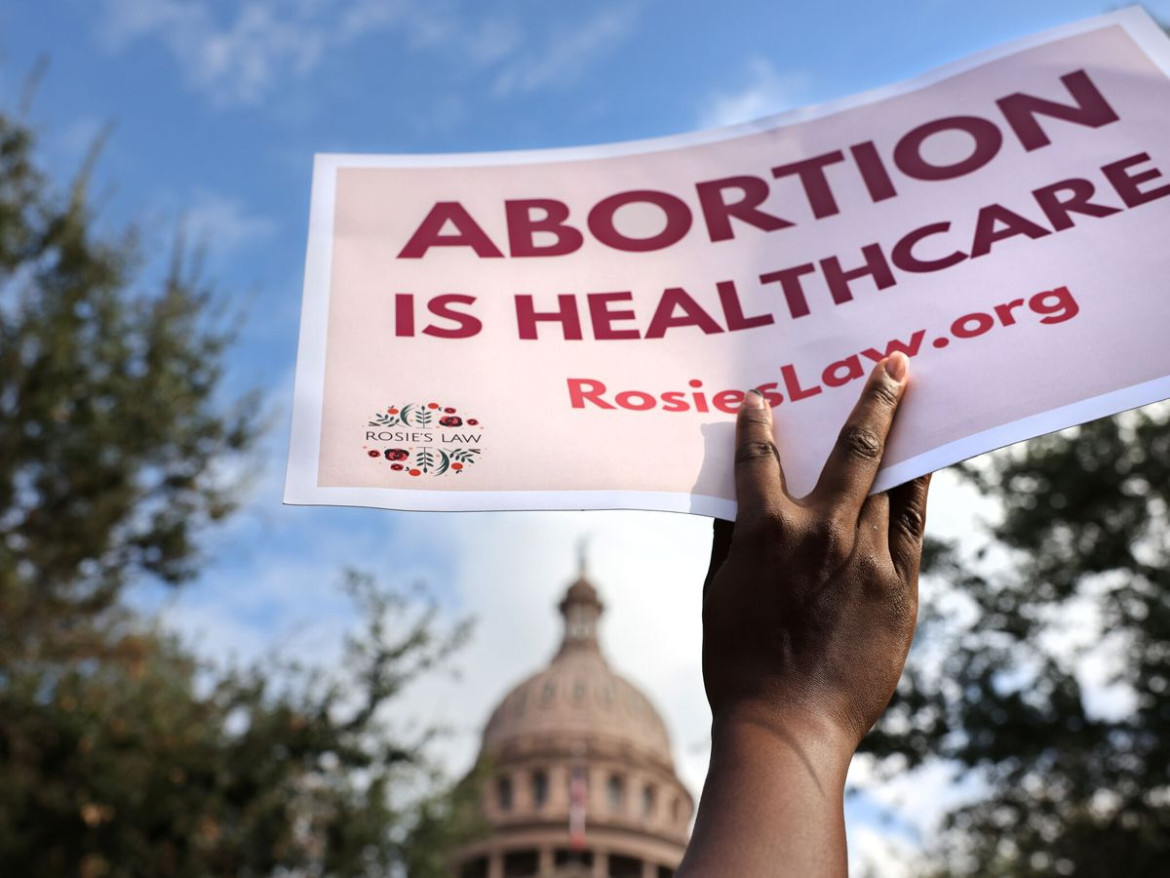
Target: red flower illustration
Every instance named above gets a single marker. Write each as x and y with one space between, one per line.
423 459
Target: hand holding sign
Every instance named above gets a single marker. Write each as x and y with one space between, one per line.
807 619
837 571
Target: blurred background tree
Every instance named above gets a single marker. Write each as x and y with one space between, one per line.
121 753
1073 575
1044 665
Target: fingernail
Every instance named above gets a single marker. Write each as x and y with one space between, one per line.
753 399
896 366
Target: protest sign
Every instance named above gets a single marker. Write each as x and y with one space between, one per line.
569 329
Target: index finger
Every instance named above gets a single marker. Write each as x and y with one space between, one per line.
853 464
759 478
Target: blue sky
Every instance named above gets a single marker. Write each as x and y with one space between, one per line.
218 108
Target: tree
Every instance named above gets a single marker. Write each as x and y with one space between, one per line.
1084 537
112 444
121 753
1082 545
123 766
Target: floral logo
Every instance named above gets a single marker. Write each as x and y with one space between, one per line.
420 439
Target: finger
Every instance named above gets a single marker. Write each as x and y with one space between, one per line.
720 546
873 527
759 479
907 526
853 463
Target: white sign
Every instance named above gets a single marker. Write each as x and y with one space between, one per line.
576 328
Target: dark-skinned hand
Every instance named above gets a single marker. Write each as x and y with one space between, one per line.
808 613
810 604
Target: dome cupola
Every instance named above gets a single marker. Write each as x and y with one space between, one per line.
581 609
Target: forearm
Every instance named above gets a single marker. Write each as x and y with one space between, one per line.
772 805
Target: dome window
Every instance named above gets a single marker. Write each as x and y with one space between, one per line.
616 793
647 801
504 793
539 789
521 864
624 867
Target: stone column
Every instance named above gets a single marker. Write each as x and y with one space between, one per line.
496 865
649 869
522 792
547 862
600 864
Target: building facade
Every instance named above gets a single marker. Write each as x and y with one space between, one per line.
580 777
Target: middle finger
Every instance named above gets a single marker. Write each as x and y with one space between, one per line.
853 464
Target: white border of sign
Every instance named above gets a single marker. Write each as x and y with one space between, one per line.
304 451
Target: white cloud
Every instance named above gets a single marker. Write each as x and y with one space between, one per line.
240 57
369 16
508 571
224 225
512 571
494 41
240 53
564 58
767 92
875 854
234 62
916 800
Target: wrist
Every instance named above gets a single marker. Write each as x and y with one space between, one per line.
774 800
820 742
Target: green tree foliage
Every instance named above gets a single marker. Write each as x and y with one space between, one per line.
110 432
121 754
141 762
1076 575
1084 536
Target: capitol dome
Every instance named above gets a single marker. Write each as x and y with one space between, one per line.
581 781
578 694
